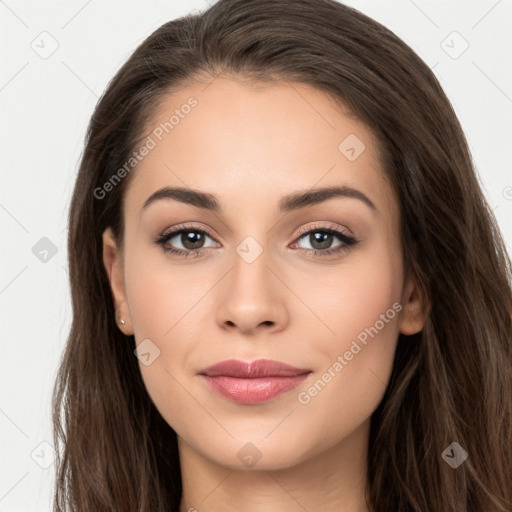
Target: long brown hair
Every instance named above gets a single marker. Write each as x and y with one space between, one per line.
452 382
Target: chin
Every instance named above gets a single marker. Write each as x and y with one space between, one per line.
255 453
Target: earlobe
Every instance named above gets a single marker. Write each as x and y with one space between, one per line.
113 262
415 309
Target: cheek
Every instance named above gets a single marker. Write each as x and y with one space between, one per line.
166 302
162 310
162 294
362 309
369 317
352 298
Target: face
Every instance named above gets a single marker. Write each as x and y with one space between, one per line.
315 283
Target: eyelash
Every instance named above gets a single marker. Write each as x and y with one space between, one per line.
347 241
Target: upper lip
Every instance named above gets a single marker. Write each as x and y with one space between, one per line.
252 369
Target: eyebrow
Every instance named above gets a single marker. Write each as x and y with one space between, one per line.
288 203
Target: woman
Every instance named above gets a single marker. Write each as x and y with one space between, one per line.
289 292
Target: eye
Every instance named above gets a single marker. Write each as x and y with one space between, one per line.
320 239
192 241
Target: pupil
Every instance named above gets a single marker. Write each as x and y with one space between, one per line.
187 239
327 240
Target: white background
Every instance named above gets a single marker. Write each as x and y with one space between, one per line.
45 105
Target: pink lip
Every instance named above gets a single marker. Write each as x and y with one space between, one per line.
252 382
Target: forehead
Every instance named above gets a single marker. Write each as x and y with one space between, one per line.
251 143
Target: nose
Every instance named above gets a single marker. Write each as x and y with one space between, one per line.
251 298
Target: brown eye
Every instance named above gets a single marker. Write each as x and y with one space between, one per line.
321 238
190 239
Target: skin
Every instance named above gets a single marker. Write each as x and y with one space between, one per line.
250 145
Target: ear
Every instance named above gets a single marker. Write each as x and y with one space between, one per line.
415 308
113 261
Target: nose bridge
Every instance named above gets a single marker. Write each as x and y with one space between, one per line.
250 274
250 295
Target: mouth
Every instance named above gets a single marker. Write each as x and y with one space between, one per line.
252 382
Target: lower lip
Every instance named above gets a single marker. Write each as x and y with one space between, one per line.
252 391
